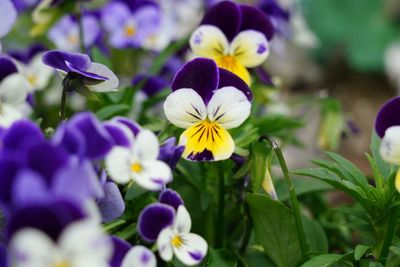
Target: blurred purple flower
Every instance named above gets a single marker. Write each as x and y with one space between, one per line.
170 152
8 16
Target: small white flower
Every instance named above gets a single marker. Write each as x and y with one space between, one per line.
189 248
139 163
36 73
139 256
81 244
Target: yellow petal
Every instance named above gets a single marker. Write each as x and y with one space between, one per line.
207 141
397 181
233 65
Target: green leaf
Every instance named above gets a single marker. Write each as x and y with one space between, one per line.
324 260
134 191
259 155
302 185
256 258
315 235
275 230
360 251
385 168
112 110
220 258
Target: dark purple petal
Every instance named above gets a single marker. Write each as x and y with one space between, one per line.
254 19
62 60
170 153
26 55
273 9
227 78
70 139
151 84
8 172
117 133
171 197
21 134
112 205
264 76
29 187
98 140
78 182
86 74
226 16
7 67
121 248
388 115
3 256
45 159
51 218
133 126
205 155
153 219
199 74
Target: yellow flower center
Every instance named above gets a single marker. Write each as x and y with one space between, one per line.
229 62
73 39
136 167
62 264
177 241
130 31
32 79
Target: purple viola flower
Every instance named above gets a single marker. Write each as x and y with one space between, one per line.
125 255
76 66
22 5
65 33
153 219
170 153
112 204
8 16
224 32
130 26
84 136
150 85
170 197
206 101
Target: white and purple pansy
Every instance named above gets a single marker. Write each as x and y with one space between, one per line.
127 256
387 126
235 36
130 24
97 77
206 101
139 163
13 93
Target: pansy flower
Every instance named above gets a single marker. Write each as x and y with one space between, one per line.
130 25
65 33
235 36
95 76
138 163
127 256
387 126
8 16
177 240
207 101
13 93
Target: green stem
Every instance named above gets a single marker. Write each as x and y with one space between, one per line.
389 233
221 206
293 197
63 107
249 227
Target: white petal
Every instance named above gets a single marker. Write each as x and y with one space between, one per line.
41 72
250 48
118 164
183 222
229 107
14 89
164 244
209 41
9 114
154 176
109 85
139 256
146 146
193 250
390 146
31 248
185 107
85 241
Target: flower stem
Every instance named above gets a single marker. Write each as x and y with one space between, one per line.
389 233
63 106
293 197
219 242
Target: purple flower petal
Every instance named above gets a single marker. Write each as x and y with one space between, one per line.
171 197
62 60
112 205
133 126
388 116
227 78
117 133
70 139
153 219
28 188
225 15
26 55
151 84
199 74
98 140
7 67
8 170
121 247
254 19
8 16
51 218
170 153
21 134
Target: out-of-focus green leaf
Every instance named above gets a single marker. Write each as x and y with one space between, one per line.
257 258
324 260
259 155
360 251
275 230
220 258
112 110
315 235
